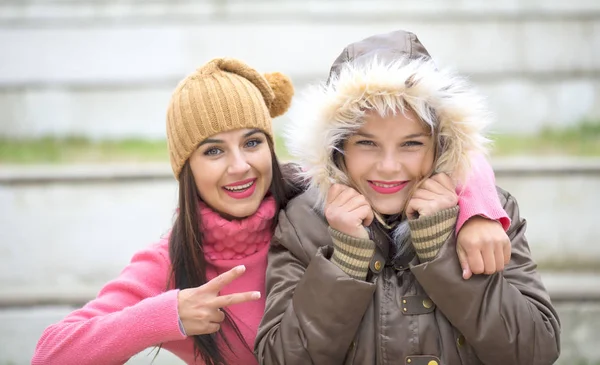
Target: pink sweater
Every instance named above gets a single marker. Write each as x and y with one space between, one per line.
134 311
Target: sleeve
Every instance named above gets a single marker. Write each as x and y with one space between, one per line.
313 308
428 234
479 196
506 317
351 254
129 314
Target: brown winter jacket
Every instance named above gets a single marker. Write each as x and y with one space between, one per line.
403 314
406 311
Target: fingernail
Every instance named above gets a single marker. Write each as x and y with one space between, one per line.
465 274
240 268
256 295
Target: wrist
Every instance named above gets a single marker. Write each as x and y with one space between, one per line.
352 254
356 232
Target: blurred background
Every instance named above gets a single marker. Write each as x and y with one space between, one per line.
84 85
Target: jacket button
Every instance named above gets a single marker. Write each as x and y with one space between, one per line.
432 362
377 265
427 303
460 341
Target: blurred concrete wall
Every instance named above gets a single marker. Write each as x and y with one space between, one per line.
65 232
74 229
105 69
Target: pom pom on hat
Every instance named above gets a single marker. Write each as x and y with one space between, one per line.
284 91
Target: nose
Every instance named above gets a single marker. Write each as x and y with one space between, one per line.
238 164
389 165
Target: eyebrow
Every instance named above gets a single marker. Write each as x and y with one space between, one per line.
363 134
212 140
416 135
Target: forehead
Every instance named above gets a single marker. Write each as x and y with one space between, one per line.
400 124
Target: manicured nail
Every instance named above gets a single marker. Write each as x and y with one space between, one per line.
256 295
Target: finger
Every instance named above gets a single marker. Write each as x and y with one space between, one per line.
218 283
365 214
355 202
218 316
445 180
425 195
212 328
434 186
333 192
464 263
345 196
489 261
416 207
475 261
506 248
412 207
231 299
499 257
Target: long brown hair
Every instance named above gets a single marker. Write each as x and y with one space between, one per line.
187 255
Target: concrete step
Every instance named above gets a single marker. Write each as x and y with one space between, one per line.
537 61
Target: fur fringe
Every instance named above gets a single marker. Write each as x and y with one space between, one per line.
326 114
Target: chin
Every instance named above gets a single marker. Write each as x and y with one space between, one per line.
243 210
389 208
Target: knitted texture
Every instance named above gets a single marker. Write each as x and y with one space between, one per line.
352 254
430 232
236 239
223 95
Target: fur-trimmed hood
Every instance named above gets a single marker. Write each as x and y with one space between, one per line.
385 73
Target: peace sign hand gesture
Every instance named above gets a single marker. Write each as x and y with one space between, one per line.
200 308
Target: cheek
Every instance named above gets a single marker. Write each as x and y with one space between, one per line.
264 164
427 162
206 175
357 163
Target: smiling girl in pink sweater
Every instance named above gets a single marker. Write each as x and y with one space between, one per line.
199 292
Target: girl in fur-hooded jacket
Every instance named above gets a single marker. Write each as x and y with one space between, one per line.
363 268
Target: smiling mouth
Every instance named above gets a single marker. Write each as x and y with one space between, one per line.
387 187
241 189
238 188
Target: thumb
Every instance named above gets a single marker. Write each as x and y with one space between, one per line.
464 263
412 212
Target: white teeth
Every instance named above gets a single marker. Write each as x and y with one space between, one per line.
385 185
239 187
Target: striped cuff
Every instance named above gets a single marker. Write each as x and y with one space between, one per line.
429 233
352 254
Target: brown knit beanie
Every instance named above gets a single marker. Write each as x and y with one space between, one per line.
223 95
